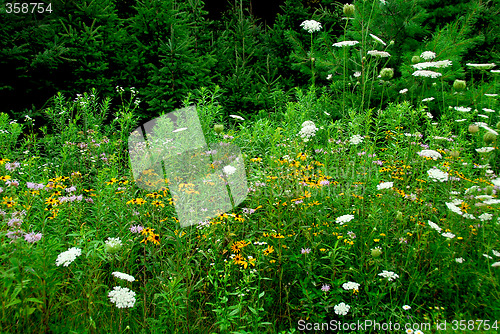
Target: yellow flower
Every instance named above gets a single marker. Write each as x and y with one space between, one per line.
52 201
8 201
158 203
5 178
268 250
376 240
322 249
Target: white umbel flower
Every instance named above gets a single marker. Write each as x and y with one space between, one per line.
435 64
351 286
462 109
377 53
311 26
345 43
308 130
390 275
122 297
229 170
437 175
485 149
237 117
385 185
434 155
344 219
378 39
342 308
123 276
67 257
427 55
448 235
427 74
434 226
356 139
482 66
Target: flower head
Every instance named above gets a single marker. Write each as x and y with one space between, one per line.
344 219
437 175
122 297
123 276
311 26
345 43
427 55
67 257
356 139
32 237
342 308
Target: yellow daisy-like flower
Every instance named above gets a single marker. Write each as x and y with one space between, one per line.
139 201
8 201
52 201
158 203
4 160
5 178
268 250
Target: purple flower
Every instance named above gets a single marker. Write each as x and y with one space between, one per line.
378 162
15 221
13 234
32 237
12 166
89 200
324 182
70 189
325 287
305 250
136 229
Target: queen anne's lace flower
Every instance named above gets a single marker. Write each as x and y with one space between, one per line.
122 297
427 55
485 149
385 185
426 73
391 276
462 109
430 154
437 175
351 286
435 64
448 235
377 53
229 170
67 257
308 130
482 66
434 226
378 39
345 43
124 276
344 219
342 308
311 26
356 139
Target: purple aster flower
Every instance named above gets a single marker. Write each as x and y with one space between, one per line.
305 250
325 287
136 229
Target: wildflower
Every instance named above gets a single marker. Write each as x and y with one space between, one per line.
356 139
403 91
344 43
237 117
67 257
123 276
389 275
308 130
485 216
495 252
377 53
305 251
376 252
426 73
229 170
496 264
268 250
378 39
325 287
179 130
482 66
122 297
386 73
311 26
349 10
459 260
462 109
459 84
385 185
434 226
485 149
448 235
351 286
32 237
136 229
113 245
344 219
437 175
406 307
427 55
435 64
434 155
342 308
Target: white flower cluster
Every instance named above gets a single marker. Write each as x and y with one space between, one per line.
229 170
462 109
344 219
237 117
356 139
427 55
485 149
113 242
308 130
351 286
434 226
391 276
482 66
448 235
378 39
342 308
67 257
434 155
385 185
311 26
123 276
426 73
345 43
377 53
122 297
437 175
486 127
453 206
435 64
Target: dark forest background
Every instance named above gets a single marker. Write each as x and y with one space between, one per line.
169 49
